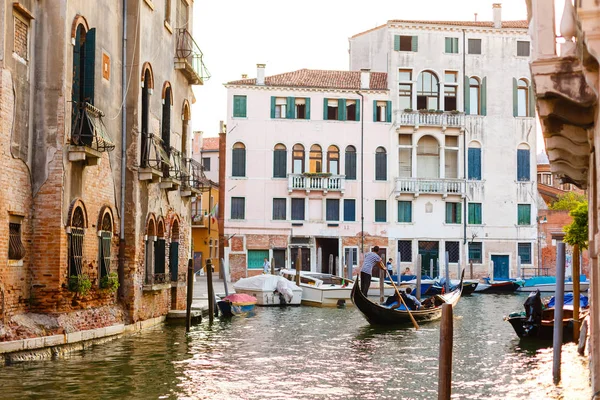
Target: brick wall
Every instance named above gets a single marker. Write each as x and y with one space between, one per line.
21 38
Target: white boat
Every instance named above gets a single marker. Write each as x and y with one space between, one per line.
388 290
551 287
268 288
322 290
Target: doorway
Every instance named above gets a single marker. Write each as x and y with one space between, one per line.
305 257
500 267
329 248
383 254
429 252
279 258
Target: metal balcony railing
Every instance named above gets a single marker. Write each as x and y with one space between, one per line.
173 170
430 186
153 152
89 129
325 182
189 58
419 118
193 174
199 217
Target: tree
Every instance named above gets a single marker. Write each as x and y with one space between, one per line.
568 201
576 233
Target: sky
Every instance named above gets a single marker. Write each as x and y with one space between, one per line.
235 35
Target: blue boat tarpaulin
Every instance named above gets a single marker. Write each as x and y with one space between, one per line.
583 301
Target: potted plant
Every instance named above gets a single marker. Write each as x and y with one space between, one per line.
408 110
455 112
317 174
80 284
110 282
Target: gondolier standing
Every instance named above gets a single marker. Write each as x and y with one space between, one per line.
371 259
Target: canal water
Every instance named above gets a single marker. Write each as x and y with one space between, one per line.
308 353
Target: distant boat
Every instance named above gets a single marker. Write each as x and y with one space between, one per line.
499 286
322 290
548 284
469 286
270 290
236 304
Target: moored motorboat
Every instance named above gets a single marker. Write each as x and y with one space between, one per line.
323 290
548 284
378 314
236 304
469 286
498 287
270 290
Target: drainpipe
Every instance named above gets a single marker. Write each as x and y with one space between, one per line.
362 173
121 267
221 208
465 215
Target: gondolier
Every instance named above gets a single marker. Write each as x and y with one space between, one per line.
371 259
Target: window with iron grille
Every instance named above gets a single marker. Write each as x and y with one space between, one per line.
354 251
405 250
76 243
105 241
453 250
238 208
279 213
298 209
475 253
16 250
525 253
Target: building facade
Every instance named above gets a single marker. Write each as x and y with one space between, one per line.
442 140
100 159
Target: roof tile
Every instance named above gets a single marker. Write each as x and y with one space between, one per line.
210 143
518 24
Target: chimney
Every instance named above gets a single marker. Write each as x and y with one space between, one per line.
365 78
475 17
260 74
497 8
244 76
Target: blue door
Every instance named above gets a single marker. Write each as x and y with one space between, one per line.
500 267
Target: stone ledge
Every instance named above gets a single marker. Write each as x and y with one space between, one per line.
156 287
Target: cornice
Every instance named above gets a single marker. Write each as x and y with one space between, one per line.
305 89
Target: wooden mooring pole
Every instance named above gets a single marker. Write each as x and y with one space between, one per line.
298 266
446 341
575 279
211 292
559 297
190 295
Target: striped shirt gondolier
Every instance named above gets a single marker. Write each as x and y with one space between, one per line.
371 259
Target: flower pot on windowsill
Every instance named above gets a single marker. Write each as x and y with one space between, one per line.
80 284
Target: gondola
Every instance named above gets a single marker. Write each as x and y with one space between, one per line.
380 315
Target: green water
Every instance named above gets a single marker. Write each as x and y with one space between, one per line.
307 353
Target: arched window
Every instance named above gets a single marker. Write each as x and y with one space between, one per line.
522 98
149 256
77 226
84 61
298 159
428 91
185 118
105 237
428 158
380 164
174 251
474 96
238 160
160 253
333 160
146 139
279 161
474 161
523 163
316 159
350 163
166 118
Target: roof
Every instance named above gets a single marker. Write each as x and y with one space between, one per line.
314 78
210 143
519 24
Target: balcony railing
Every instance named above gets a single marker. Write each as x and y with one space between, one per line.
189 58
324 182
192 175
153 152
419 186
89 129
199 217
418 118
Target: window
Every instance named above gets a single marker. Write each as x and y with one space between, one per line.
475 96
451 45
406 43
166 120
427 91
523 163
525 252
451 157
160 252
21 40
146 138
524 214
238 208
105 238
405 250
331 111
76 242
341 109
453 250
352 111
474 46
474 214
354 252
404 211
239 106
298 159
279 212
298 209
206 163
474 161
405 89
84 63
238 160
428 157
405 155
380 211
404 75
332 210
450 97
256 258
302 108
16 250
474 93
333 160
349 210
382 111
350 163
523 48
380 164
149 250
475 253
279 161
281 107
453 213
316 159
182 14
522 105
174 252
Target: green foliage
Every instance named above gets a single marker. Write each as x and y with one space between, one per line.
110 282
80 284
568 201
577 231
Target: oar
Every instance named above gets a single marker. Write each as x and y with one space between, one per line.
414 321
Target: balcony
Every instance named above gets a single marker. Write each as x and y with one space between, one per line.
89 138
157 282
172 172
200 218
418 186
420 118
188 58
192 177
318 182
154 158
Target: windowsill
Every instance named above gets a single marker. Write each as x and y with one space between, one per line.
156 287
457 53
279 220
382 122
524 226
149 4
405 223
291 119
168 27
279 178
523 117
337 120
452 223
473 54
299 223
238 177
234 117
380 222
237 220
480 225
15 263
333 224
405 51
350 222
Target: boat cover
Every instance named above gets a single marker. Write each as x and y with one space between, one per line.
265 283
240 299
583 301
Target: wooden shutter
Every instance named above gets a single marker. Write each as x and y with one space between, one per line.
448 45
159 256
174 261
458 213
279 163
76 68
380 166
448 210
298 209
397 42
478 213
238 162
349 210
341 109
388 111
332 210
273 104
357 109
291 108
375 119
523 165
515 99
243 106
415 43
350 165
474 159
307 108
531 104
325 100
467 92
89 66
484 96
279 212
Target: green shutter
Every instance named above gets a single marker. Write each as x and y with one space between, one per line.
484 96
341 109
307 108
243 106
291 108
415 44
515 99
374 110
531 102
273 101
76 68
448 49
325 109
89 66
448 205
396 42
458 213
236 106
388 111
358 109
467 95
